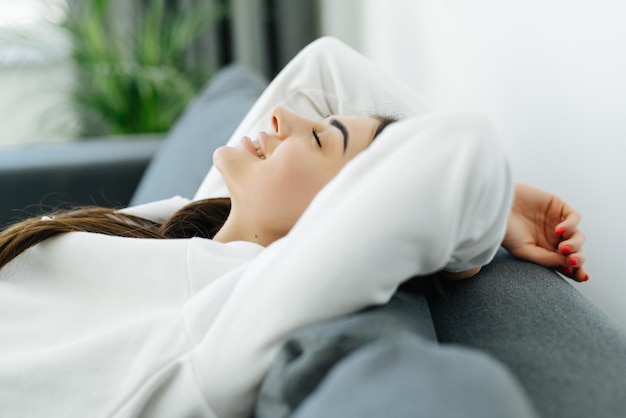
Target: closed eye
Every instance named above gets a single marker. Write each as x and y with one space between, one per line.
317 138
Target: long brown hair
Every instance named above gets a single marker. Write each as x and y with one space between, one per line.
202 218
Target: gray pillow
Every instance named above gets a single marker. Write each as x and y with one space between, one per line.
186 155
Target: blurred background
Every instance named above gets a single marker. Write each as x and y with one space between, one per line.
87 68
550 74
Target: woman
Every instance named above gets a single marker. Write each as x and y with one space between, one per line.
185 327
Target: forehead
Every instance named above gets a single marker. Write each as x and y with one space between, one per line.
356 120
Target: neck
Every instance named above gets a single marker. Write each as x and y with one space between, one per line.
237 229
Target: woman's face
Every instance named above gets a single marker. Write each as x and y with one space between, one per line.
272 178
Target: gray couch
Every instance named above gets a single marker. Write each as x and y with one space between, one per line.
118 172
567 356
41 178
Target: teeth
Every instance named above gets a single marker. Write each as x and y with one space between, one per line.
257 147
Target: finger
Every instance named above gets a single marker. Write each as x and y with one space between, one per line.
539 256
569 224
566 271
573 244
576 260
580 275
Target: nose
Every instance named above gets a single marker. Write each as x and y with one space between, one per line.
285 123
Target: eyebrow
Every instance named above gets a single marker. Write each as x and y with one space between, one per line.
344 131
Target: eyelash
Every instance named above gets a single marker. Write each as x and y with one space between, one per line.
317 138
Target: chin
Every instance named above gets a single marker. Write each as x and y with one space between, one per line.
228 159
221 155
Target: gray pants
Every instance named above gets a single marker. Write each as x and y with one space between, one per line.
516 341
383 362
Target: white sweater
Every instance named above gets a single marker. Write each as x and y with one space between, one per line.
92 325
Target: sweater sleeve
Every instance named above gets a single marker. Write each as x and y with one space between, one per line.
325 78
432 191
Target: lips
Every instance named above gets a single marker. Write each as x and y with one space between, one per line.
254 146
257 146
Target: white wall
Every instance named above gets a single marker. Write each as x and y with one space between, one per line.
551 75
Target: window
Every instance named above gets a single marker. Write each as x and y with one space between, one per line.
27 32
34 72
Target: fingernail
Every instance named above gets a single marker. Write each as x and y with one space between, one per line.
566 249
560 231
565 270
586 278
573 261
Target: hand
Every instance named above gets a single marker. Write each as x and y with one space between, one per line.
543 228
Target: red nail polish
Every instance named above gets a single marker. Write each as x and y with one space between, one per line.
565 270
573 261
566 249
586 278
560 231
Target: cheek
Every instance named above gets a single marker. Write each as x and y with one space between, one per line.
277 190
295 182
288 182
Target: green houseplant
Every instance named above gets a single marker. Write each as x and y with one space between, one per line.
135 77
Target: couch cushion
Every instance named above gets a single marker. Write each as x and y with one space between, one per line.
566 353
186 155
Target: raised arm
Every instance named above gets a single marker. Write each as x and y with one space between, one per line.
325 78
432 192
